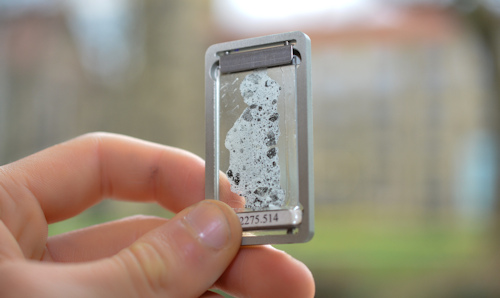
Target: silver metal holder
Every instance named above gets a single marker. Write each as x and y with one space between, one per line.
259 156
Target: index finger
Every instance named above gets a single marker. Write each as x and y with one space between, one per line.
72 176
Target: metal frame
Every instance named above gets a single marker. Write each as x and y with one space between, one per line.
302 48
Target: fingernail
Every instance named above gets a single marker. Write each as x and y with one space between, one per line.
210 224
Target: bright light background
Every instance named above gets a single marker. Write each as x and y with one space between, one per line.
261 15
265 9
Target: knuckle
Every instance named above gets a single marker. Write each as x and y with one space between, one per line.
20 212
147 268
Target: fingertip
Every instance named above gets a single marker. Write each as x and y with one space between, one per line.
215 225
230 216
227 196
301 279
263 271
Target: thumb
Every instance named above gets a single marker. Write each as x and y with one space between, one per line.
182 258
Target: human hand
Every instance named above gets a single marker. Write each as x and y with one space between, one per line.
198 249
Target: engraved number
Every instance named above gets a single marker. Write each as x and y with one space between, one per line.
246 220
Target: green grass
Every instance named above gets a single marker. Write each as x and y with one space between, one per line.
365 245
356 256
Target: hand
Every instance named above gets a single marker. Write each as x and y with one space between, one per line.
198 249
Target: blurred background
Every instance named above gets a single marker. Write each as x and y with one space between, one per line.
406 101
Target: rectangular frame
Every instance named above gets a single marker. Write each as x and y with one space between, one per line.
270 53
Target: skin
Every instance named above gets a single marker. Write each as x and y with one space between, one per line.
140 256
